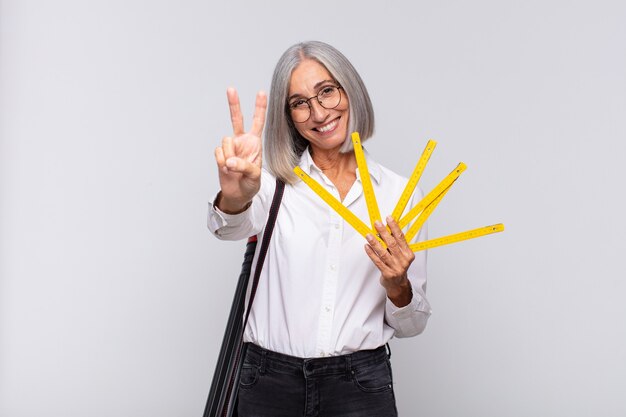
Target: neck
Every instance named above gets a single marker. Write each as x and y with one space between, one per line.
340 168
334 163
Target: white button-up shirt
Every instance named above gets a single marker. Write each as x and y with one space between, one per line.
319 294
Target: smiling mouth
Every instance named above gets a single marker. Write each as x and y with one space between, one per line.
327 127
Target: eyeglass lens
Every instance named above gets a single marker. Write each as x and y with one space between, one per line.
328 97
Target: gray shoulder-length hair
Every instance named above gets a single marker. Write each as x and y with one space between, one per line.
283 144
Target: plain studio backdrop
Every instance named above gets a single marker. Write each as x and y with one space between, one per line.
114 295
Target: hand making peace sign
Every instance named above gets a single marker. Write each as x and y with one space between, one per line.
239 158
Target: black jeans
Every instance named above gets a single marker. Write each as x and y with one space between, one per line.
277 385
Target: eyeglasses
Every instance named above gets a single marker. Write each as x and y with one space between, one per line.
328 97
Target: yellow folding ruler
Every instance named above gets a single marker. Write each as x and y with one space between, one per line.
422 210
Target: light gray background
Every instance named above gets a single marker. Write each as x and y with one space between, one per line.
114 296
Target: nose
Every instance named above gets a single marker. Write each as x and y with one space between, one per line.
318 113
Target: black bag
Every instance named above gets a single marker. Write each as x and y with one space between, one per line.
222 401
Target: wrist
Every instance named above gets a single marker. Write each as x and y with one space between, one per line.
230 206
401 294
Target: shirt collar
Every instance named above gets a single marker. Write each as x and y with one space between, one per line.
374 169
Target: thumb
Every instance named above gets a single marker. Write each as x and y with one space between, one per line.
242 166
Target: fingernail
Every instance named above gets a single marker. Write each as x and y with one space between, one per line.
377 223
389 219
369 238
230 163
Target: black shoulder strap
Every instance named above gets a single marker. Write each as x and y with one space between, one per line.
223 388
267 236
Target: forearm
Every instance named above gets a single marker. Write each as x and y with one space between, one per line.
401 294
234 226
409 320
229 205
228 222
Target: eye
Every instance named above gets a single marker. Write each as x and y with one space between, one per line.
327 91
298 104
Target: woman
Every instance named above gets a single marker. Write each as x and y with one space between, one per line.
323 311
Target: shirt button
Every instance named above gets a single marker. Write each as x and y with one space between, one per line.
337 226
333 267
327 309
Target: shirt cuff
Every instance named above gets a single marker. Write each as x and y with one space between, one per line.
417 304
218 219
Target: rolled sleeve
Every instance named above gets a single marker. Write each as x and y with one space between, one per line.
247 223
223 225
411 319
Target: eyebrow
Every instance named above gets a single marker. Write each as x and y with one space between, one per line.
315 87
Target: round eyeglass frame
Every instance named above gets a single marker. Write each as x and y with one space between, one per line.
319 100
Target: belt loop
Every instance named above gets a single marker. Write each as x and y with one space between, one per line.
388 351
263 359
349 371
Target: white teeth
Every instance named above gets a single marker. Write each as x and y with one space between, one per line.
328 127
